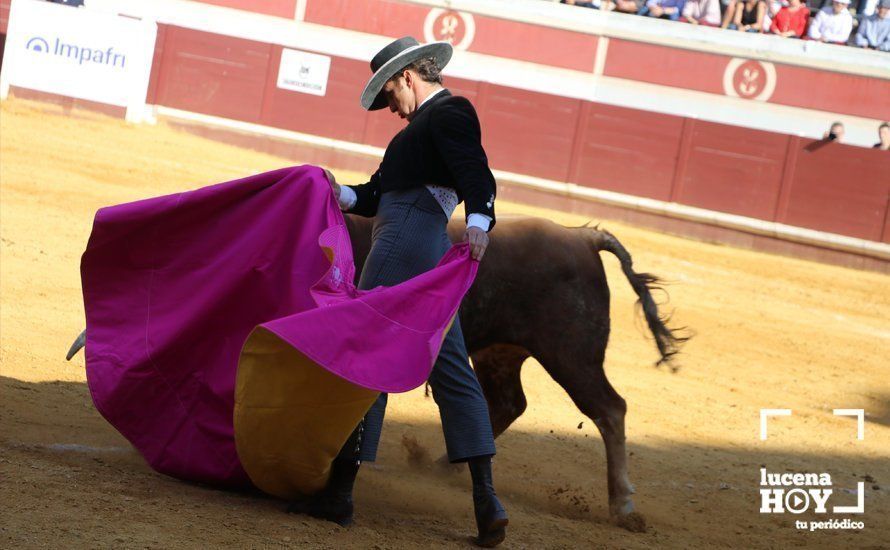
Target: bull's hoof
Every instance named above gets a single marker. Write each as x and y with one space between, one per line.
621 507
632 521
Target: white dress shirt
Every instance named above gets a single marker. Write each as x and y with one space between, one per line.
445 196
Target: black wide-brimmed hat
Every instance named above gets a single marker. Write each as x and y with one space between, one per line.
395 57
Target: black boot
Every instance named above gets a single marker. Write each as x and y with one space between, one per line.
491 518
334 502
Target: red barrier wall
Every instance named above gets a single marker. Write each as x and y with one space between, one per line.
498 37
4 15
774 177
769 176
795 86
278 8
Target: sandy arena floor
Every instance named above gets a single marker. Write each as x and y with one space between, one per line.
771 332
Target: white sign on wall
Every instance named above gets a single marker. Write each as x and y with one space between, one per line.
78 52
304 72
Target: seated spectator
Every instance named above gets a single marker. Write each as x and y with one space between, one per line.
579 3
866 8
874 31
748 16
835 132
629 6
702 12
833 24
773 7
664 9
884 137
791 21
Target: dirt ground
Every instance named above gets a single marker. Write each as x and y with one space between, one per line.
771 332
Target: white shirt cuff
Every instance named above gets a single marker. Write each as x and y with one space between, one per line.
481 221
347 197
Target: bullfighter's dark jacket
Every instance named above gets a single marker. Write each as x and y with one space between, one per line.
441 145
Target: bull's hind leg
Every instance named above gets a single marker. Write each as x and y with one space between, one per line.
498 368
583 378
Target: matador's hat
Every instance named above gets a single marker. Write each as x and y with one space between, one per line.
395 57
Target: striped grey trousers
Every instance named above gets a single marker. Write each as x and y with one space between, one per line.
409 238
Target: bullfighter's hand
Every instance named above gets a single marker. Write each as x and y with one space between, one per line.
334 185
478 239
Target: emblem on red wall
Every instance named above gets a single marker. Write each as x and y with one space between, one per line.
749 79
456 27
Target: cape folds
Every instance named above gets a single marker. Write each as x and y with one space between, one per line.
250 279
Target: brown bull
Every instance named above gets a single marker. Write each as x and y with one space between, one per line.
541 292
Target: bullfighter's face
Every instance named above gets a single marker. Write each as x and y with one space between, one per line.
400 95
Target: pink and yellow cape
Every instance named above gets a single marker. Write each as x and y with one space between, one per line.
227 341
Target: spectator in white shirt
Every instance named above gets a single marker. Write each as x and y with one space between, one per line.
833 24
702 12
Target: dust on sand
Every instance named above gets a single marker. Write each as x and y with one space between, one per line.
772 332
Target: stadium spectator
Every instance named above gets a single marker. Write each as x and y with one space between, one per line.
629 6
664 9
772 8
833 24
874 31
835 132
702 12
865 8
884 137
791 21
746 16
579 3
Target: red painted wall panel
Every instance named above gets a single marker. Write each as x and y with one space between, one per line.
795 86
498 37
533 43
627 150
732 169
527 132
840 189
4 15
151 96
279 8
380 17
666 66
338 114
886 232
833 92
213 74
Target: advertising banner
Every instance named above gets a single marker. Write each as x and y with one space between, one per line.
304 72
78 52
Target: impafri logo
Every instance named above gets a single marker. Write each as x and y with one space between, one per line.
37 44
77 53
796 492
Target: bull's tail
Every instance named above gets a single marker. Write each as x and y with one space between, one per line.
668 340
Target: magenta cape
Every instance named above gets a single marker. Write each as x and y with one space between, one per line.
174 285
